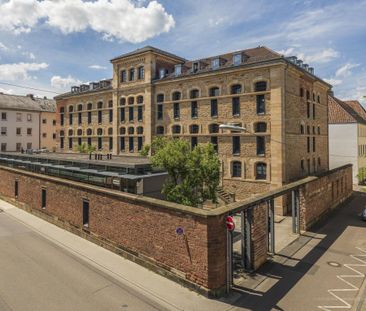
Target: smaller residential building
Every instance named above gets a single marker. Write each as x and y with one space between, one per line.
347 136
27 122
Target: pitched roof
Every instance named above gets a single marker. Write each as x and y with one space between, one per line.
343 112
29 103
148 48
357 107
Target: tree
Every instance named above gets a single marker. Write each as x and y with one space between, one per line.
193 174
85 148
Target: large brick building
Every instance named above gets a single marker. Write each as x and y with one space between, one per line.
279 101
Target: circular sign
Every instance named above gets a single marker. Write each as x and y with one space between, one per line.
179 231
230 225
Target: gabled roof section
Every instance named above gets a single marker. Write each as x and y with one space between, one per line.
149 49
357 107
342 112
28 103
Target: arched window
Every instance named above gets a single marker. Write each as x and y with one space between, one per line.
318 99
307 95
131 130
214 91
110 131
122 130
62 133
236 169
89 132
160 130
236 89
80 132
110 104
261 171
176 129
140 130
71 108
176 96
62 109
260 86
100 105
261 127
313 97
71 132
80 107
302 129
301 92
140 99
122 101
160 98
194 129
99 132
194 93
213 128
131 100
90 106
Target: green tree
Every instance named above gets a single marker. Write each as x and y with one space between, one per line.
193 174
85 148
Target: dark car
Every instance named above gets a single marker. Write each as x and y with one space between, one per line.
363 215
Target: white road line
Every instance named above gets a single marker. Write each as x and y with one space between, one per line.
352 287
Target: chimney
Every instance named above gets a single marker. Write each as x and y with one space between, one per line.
31 96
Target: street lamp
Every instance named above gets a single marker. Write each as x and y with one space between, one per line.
232 127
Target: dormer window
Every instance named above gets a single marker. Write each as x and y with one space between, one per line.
215 63
162 73
178 70
237 59
195 67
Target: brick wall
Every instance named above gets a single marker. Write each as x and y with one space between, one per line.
259 235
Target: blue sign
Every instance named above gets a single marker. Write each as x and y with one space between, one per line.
179 231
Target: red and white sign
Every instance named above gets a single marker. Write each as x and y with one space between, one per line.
230 225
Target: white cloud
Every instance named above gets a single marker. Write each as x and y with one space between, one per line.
120 19
6 91
333 81
30 55
63 83
323 56
345 70
97 67
19 71
287 52
3 47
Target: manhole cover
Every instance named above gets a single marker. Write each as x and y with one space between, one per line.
334 264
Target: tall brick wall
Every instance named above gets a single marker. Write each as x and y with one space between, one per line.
259 235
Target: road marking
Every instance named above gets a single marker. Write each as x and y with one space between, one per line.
343 278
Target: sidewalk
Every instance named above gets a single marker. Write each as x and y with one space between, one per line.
153 286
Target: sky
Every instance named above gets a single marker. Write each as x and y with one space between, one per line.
51 45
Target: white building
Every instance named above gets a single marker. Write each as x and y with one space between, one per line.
347 136
21 122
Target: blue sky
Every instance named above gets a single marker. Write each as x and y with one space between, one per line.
54 44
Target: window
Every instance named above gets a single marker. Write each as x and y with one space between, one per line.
139 113
176 111
194 94
318 130
141 73
110 116
139 143
235 106
19 131
85 213
213 128
261 171
18 146
313 129
313 97
307 95
314 144
132 74
122 115
89 117
214 141
79 141
62 133
54 122
236 89
130 114
99 132
122 145
308 110
131 145
301 92
131 100
214 91
70 118
261 104
236 145
308 129
140 130
3 116
160 112
3 131
319 162
122 131
110 143
194 142
308 144
176 129
110 131
29 117
302 130
100 116
318 99
62 142
260 86
110 104
3 147
261 127
131 130
62 119
178 70
314 165
122 101
160 130
215 63
79 118
194 129
237 59
62 109
313 111
214 108
261 146
302 165
195 67
29 145
123 76
29 131
236 169
176 96
160 98
44 121
194 109
162 73
140 99
19 117
89 106
100 143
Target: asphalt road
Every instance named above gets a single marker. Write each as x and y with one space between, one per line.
36 274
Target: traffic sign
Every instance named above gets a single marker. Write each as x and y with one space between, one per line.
230 225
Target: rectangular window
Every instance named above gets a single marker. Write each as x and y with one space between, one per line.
215 63
308 110
89 141
19 117
308 143
176 112
132 74
178 70
314 144
29 145
237 59
130 113
110 143
54 122
194 142
16 189
3 116
139 143
122 143
139 113
100 115
43 195
29 117
160 112
70 119
195 67
85 213
19 131
29 131
62 142
100 143
236 106
261 145
110 115
70 143
3 147
302 165
122 115
3 131
141 73
79 141
123 76
215 143
44 121
89 117
314 111
79 118
194 109
214 110
261 104
44 135
130 143
18 146
62 119
236 145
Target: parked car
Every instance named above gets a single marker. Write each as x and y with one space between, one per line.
363 215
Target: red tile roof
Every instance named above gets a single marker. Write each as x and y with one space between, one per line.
345 112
